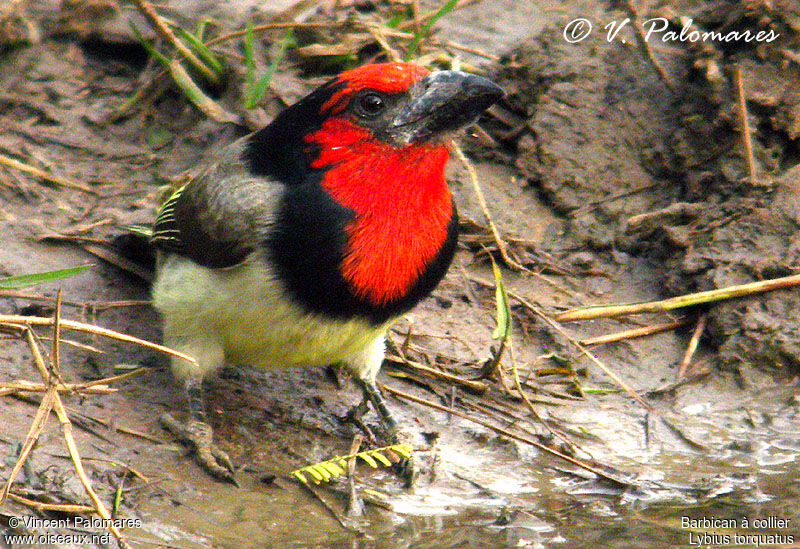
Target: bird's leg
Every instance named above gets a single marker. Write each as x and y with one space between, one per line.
355 416
373 395
405 468
196 433
365 368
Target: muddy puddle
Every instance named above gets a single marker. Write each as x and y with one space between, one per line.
615 172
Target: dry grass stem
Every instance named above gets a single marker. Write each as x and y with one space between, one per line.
111 379
524 395
557 327
508 434
55 357
645 45
149 13
747 138
422 19
117 260
693 343
268 26
98 386
27 386
36 428
471 385
66 429
16 320
635 332
467 49
198 97
36 172
69 508
498 239
380 38
688 300
52 385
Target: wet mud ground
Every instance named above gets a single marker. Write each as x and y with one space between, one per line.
609 182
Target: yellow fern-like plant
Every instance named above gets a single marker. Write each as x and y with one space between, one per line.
325 471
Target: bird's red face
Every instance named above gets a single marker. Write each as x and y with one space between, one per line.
401 104
373 140
383 144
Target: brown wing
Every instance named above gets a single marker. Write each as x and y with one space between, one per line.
219 218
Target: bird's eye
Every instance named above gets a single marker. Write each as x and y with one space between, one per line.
371 104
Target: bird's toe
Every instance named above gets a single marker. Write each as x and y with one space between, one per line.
199 437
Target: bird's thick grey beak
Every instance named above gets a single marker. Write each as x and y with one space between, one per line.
441 103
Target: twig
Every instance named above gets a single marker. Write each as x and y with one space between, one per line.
557 327
66 429
472 386
40 506
473 177
524 395
640 37
269 26
746 134
688 300
693 343
149 13
36 428
91 329
27 168
198 97
634 333
134 472
28 387
379 37
509 434
98 386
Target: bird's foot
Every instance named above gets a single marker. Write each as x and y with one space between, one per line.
389 434
355 415
199 436
407 468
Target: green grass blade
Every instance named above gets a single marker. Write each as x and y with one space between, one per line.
396 20
425 30
196 95
202 51
503 309
148 46
259 88
202 26
25 281
249 60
